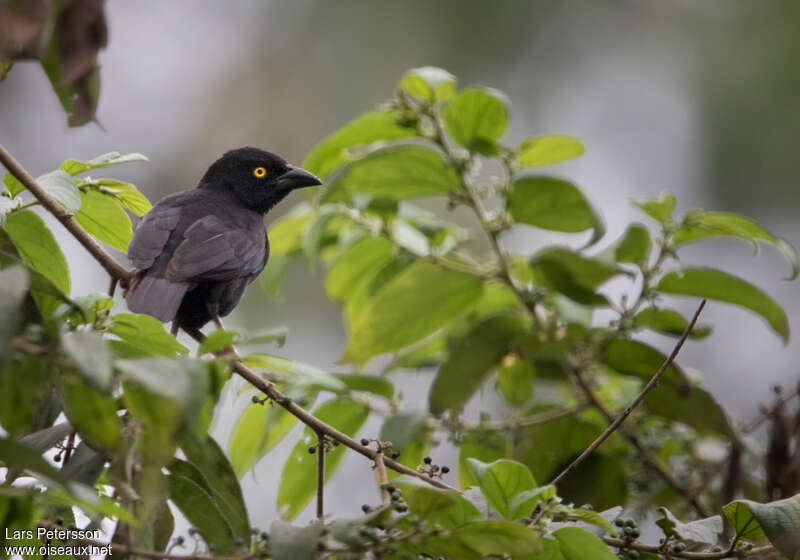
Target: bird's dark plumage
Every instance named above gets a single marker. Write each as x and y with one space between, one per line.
196 251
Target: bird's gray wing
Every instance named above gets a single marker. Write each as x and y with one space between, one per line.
153 231
214 250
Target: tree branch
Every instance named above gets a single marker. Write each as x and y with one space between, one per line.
51 204
634 403
383 479
754 553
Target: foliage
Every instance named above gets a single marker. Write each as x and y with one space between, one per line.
417 291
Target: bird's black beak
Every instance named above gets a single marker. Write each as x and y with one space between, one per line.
296 178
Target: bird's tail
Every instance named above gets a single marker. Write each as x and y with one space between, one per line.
157 297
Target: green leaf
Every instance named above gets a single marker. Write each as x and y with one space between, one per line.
402 428
354 264
779 521
668 321
635 245
219 480
16 455
446 508
416 302
217 340
498 538
286 235
515 379
553 204
525 502
103 217
581 486
333 151
395 173
476 117
127 193
429 83
298 480
91 355
12 184
25 394
62 187
481 445
74 166
93 413
182 380
367 384
147 334
701 531
631 357
470 360
721 286
697 409
162 423
547 150
257 430
202 511
578 544
294 373
501 482
13 289
572 274
38 248
287 542
660 210
698 225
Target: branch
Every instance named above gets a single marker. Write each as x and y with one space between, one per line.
756 552
383 479
267 387
628 409
61 214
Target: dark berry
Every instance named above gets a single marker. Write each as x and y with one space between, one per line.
427 460
365 508
445 469
179 540
395 454
390 488
364 442
312 449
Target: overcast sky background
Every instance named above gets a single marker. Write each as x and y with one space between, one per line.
697 98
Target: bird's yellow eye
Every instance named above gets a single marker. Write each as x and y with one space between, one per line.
260 172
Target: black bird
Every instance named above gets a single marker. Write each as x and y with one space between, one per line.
196 251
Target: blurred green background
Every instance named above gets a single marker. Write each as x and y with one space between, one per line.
699 98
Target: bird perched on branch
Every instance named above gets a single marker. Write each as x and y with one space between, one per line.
196 251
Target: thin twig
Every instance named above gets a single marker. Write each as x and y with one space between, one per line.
69 448
628 409
755 552
383 478
320 475
63 216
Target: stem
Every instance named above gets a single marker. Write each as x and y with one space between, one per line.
756 552
386 498
320 475
634 403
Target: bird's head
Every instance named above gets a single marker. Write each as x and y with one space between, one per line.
259 179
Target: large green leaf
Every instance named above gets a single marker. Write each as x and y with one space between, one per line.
257 430
13 289
476 118
578 544
581 487
660 209
333 151
183 380
446 508
355 264
91 355
496 538
93 413
160 420
62 187
147 334
298 481
102 216
631 357
294 373
25 394
484 446
74 166
367 384
700 531
515 379
546 150
779 521
470 360
201 510
553 204
634 246
429 83
416 302
699 224
501 482
219 480
127 193
573 275
396 173
38 248
668 321
721 286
